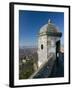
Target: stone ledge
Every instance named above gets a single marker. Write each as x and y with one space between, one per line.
48 64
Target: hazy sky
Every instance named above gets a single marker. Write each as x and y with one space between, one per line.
30 23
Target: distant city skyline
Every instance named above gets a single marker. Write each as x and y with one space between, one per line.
30 23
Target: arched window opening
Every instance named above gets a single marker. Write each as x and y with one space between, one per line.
41 46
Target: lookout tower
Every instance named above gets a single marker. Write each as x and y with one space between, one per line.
48 42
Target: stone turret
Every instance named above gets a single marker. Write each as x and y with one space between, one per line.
47 38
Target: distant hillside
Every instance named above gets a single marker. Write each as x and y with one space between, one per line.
62 48
28 51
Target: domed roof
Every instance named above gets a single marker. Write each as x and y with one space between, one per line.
49 27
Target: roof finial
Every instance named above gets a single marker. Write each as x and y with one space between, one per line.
49 21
